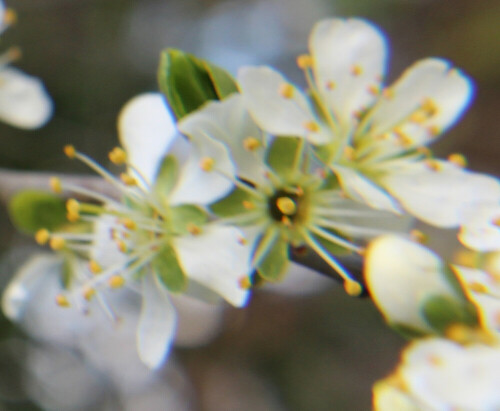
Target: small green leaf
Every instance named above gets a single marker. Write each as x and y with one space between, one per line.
166 266
188 82
272 257
232 204
167 176
32 210
440 312
285 156
184 215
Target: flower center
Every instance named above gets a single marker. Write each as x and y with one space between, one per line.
283 205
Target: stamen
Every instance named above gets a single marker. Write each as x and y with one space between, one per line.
118 156
116 281
193 229
70 151
207 164
304 61
42 236
286 90
242 241
9 17
433 131
388 93
55 185
311 126
330 85
73 206
286 221
418 236
374 89
245 283
353 288
62 301
458 159
128 179
432 164
95 267
57 243
478 287
286 205
429 107
128 223
349 153
356 70
248 205
122 247
251 143
88 293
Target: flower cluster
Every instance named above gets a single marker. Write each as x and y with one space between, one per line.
255 172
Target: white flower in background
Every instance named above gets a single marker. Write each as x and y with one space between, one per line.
441 375
24 102
280 199
373 138
157 239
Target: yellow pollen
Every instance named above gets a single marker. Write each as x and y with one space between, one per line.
94 267
403 138
433 131
129 224
286 221
88 293
426 151
62 301
286 90
9 17
70 151
245 283
286 205
128 180
248 205
55 185
429 107
458 333
349 153
478 287
207 164
330 85
242 241
388 93
418 236
311 126
116 281
117 156
72 217
373 89
251 143
42 236
57 243
304 61
433 165
193 229
356 70
418 117
299 191
466 258
353 288
458 159
73 206
122 247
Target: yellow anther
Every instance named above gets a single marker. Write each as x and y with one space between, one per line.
42 236
207 164
286 205
349 153
429 107
128 179
248 205
193 229
311 126
245 283
95 267
286 90
286 221
478 287
433 131
304 61
426 151
55 185
57 243
122 247
9 17
383 137
418 117
242 241
388 93
353 288
73 206
374 89
128 223
70 151
116 281
496 221
251 143
458 159
330 85
299 191
117 156
356 70
418 236
62 301
432 164
88 293
403 138
72 217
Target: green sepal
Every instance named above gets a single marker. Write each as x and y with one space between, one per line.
188 82
183 215
326 152
330 182
167 176
408 331
440 312
232 204
166 266
32 210
272 256
285 156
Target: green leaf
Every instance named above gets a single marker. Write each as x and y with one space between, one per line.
184 215
272 256
33 210
232 204
166 266
285 156
440 312
188 82
167 176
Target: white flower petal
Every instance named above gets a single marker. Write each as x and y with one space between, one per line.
480 229
387 397
197 185
24 102
146 130
400 275
439 192
279 112
26 283
217 259
360 189
432 82
349 59
228 121
157 323
104 250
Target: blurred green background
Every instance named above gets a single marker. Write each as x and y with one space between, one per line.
317 352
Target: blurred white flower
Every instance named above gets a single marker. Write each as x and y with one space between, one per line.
441 375
24 102
373 138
